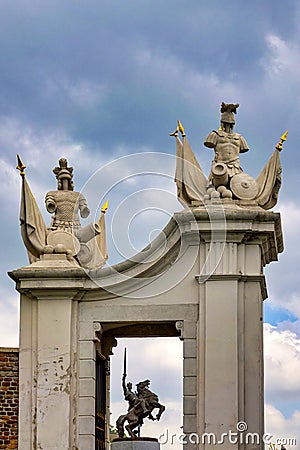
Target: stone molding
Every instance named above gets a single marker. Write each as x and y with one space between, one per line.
235 277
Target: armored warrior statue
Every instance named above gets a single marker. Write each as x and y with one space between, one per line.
141 405
131 397
64 203
227 183
226 143
85 246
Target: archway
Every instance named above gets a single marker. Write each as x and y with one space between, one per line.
160 360
154 341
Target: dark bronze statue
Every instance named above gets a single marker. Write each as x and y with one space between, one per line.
141 405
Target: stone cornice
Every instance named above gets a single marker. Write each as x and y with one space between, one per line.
186 228
236 277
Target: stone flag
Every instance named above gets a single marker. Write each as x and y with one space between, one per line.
97 247
269 182
190 180
33 228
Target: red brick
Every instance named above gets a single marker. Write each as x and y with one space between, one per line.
9 391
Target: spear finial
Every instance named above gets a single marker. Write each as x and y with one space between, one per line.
175 133
104 207
181 129
282 140
21 167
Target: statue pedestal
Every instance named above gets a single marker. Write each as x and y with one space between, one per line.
142 443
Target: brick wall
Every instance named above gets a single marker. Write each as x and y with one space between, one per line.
9 397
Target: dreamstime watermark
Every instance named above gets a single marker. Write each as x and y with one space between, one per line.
240 435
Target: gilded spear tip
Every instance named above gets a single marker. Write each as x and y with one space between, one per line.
282 139
181 129
21 167
104 207
178 129
175 133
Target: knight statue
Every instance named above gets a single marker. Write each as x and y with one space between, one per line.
64 203
83 246
227 182
140 406
226 143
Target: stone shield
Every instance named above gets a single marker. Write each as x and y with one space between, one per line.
244 186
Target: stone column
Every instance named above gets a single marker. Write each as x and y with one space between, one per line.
230 331
48 353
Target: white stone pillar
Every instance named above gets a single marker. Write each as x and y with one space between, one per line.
230 330
48 355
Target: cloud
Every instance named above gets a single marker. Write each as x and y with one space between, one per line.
86 94
281 427
60 70
40 151
9 313
283 59
283 285
282 364
144 361
96 82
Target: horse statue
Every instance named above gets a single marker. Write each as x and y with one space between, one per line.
141 405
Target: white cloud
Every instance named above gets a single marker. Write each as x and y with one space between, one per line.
36 147
292 326
281 427
290 215
86 94
284 289
291 303
282 363
10 188
195 87
9 313
283 58
170 353
83 93
40 152
280 85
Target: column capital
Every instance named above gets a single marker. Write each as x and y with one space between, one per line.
49 278
234 225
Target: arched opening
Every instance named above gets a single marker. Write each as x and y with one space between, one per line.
160 360
154 352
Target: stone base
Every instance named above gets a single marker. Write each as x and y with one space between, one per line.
142 443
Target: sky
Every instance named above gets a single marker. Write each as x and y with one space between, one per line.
103 84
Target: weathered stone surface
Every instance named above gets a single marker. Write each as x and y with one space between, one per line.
207 288
136 444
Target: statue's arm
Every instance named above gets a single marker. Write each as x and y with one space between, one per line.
244 146
83 208
50 203
211 140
